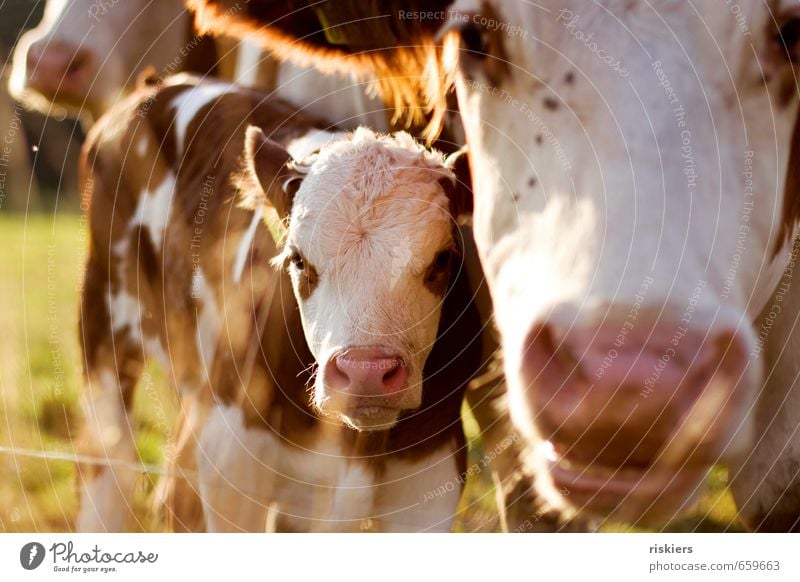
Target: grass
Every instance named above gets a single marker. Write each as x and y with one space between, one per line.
39 375
40 387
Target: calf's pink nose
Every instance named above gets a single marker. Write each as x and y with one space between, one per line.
367 372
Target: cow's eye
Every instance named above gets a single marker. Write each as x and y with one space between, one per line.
474 40
443 260
296 259
482 52
789 37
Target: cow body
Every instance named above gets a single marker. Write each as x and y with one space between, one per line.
85 56
177 271
640 158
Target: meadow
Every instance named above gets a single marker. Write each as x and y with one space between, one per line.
40 389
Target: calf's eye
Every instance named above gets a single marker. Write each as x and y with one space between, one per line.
442 260
297 260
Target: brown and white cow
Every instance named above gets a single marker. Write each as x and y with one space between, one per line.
85 54
369 294
639 158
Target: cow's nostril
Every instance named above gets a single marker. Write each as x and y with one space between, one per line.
396 379
79 62
387 377
336 375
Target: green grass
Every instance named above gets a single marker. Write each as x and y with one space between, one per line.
40 374
40 387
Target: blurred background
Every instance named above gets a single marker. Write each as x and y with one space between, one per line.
43 237
42 245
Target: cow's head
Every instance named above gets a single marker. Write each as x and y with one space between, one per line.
84 53
629 164
368 243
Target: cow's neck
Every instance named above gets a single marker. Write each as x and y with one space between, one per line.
778 331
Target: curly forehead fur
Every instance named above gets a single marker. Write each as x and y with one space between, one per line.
370 192
374 164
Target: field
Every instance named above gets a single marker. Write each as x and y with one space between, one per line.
40 275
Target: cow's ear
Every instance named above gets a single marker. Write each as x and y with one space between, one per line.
459 189
270 165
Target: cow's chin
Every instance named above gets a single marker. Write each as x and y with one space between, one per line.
370 418
635 496
63 105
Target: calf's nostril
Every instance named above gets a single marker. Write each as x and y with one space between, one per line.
336 375
397 377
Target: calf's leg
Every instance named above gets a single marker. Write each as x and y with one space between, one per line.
113 362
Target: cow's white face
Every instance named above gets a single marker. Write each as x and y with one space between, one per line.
368 247
84 53
628 163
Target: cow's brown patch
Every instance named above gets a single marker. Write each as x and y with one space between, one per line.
550 103
307 280
401 54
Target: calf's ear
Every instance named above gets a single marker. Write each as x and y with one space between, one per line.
269 165
459 190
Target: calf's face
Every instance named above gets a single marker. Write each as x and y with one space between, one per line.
368 246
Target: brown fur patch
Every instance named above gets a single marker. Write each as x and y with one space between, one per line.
401 54
307 281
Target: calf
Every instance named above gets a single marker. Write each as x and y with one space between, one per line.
177 271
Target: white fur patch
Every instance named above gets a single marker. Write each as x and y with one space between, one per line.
106 503
313 141
248 59
125 309
189 102
154 207
141 147
249 477
420 496
106 410
154 349
244 246
208 320
107 500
